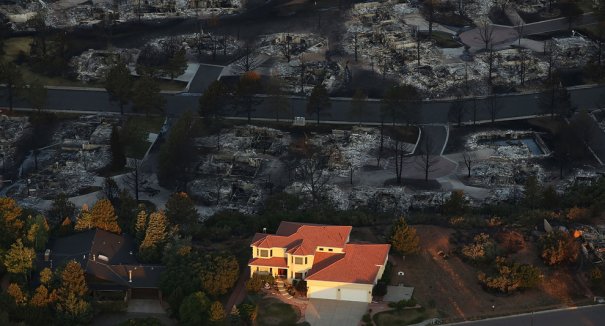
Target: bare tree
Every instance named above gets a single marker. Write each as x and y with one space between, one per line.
133 179
355 44
401 153
247 60
312 172
549 51
490 59
469 159
278 101
429 8
427 158
519 27
493 107
486 32
457 110
286 47
522 66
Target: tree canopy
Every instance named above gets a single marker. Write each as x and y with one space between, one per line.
404 238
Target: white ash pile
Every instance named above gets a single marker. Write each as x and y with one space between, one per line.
502 194
479 8
209 44
509 64
93 65
13 131
293 44
573 52
239 195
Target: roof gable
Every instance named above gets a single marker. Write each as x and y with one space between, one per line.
303 239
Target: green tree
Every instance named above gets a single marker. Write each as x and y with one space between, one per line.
558 248
119 84
456 204
37 234
213 101
19 259
358 104
219 274
37 95
318 101
244 97
11 76
177 64
404 238
140 226
147 97
532 193
11 224
194 309
85 220
217 312
72 306
60 209
181 210
118 157
127 210
104 216
175 154
155 237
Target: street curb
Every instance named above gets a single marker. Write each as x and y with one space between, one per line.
526 314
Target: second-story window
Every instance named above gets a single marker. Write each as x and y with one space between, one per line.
298 260
305 260
264 253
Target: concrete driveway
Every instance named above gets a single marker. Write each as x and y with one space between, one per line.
321 312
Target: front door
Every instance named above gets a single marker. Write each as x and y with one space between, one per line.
282 272
298 276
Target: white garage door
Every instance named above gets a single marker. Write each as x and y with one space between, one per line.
360 295
320 292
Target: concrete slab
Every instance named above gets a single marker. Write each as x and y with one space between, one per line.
321 312
145 306
398 293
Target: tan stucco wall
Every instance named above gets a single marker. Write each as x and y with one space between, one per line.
313 286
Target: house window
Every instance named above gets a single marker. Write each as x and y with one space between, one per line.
330 249
264 253
271 253
257 252
257 268
298 260
270 270
321 249
305 260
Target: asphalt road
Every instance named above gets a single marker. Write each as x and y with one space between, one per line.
431 112
585 316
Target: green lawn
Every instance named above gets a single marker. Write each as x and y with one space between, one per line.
14 45
403 317
135 133
272 312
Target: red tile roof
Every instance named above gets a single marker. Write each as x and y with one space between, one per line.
359 263
303 239
271 262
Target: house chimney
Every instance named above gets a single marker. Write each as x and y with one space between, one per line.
129 276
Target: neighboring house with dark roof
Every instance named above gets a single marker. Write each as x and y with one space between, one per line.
109 262
323 257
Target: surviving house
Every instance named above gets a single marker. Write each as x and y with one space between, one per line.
322 256
109 262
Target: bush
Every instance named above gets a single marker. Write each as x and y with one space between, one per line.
258 281
366 318
482 249
380 289
510 277
558 248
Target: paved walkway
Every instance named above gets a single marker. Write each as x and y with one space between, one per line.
322 312
504 36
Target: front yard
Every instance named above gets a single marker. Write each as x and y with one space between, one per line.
403 317
272 312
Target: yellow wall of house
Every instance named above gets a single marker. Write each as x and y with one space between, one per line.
263 269
277 252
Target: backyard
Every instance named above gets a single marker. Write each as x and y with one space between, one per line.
452 285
